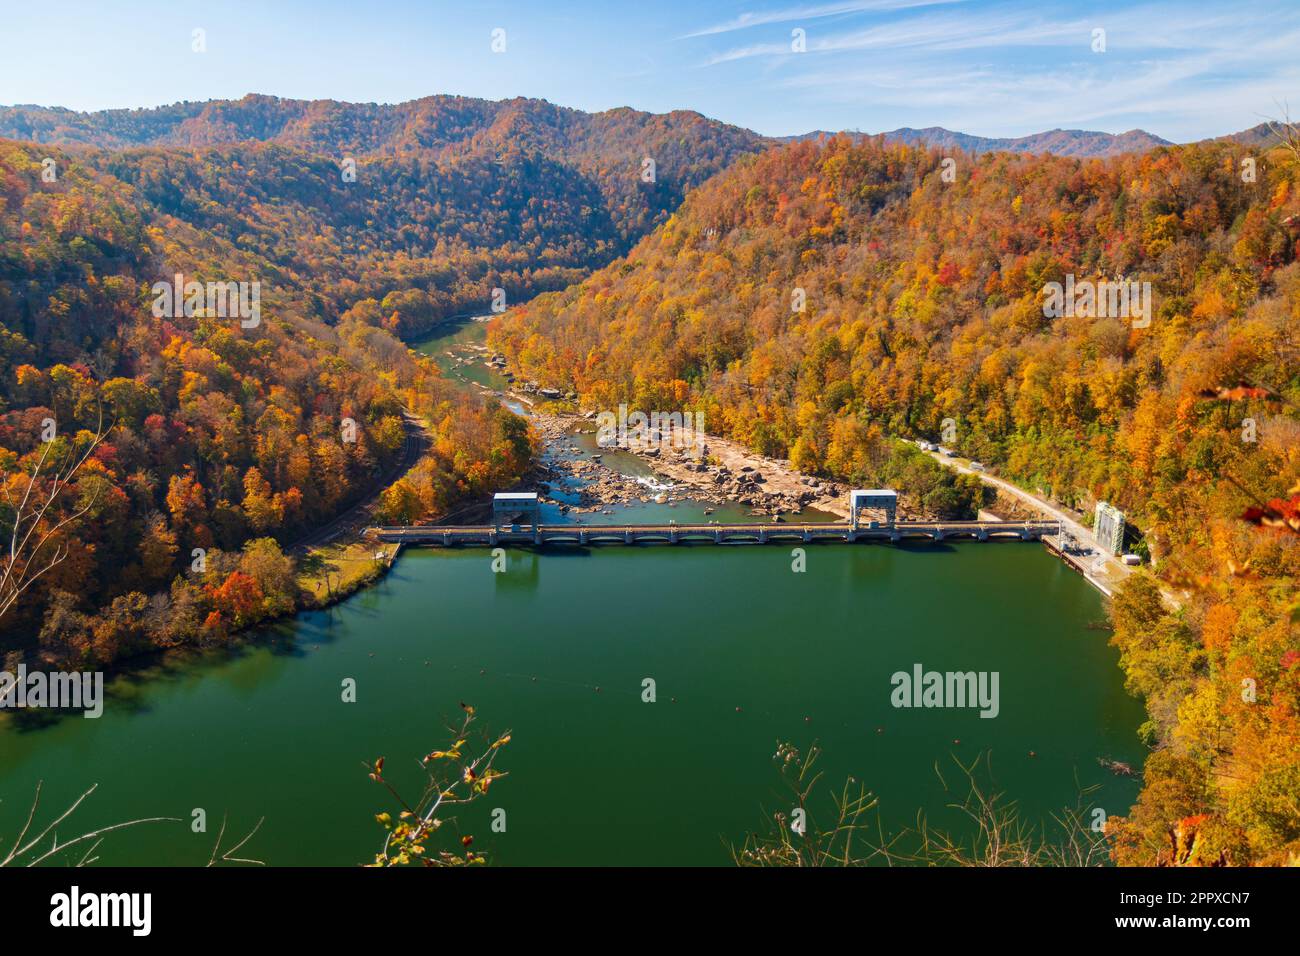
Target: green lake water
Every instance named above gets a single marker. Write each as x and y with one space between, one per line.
744 652
600 777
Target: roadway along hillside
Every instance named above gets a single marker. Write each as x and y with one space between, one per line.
1101 568
413 447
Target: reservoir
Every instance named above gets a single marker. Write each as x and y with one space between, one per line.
744 652
601 777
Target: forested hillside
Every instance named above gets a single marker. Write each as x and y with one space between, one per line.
359 224
816 300
211 435
823 298
594 161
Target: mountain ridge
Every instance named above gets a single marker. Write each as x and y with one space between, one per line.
1078 143
447 124
433 122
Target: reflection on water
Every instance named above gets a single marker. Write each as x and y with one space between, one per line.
744 649
744 652
523 570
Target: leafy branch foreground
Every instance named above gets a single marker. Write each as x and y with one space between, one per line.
451 779
856 835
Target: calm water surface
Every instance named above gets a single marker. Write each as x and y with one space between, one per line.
744 653
600 776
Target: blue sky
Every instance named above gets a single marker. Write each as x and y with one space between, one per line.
1183 70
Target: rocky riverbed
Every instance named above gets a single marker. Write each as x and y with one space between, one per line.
717 471
714 471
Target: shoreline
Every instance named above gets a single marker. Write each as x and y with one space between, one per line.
1106 573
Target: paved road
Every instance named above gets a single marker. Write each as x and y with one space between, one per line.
412 449
1103 569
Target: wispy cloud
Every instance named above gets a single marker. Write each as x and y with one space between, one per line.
997 102
812 12
1014 68
998 29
